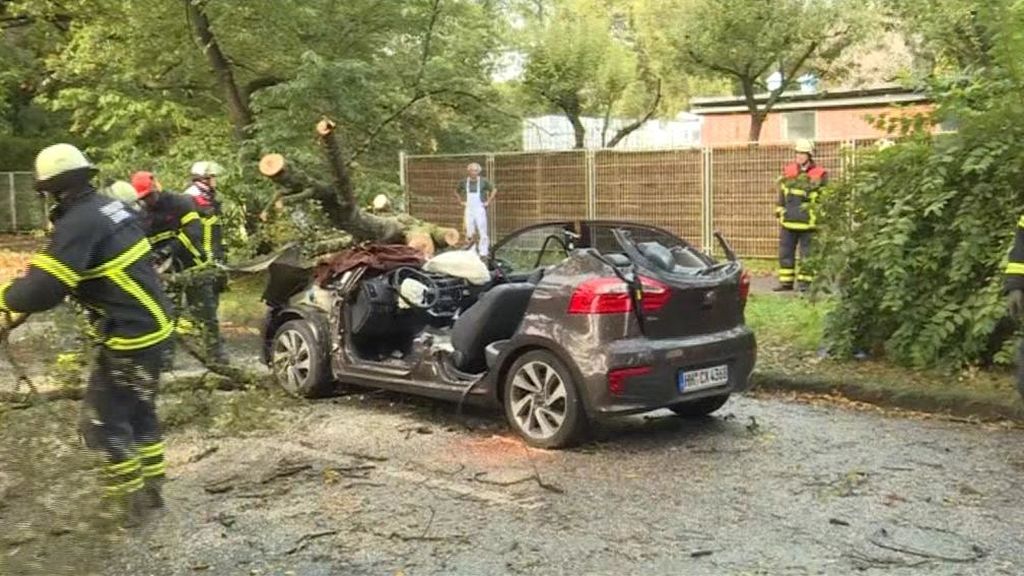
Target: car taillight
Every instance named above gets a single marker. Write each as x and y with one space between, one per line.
611 296
617 378
744 286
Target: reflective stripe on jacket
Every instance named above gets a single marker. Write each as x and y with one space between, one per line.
172 224
100 257
798 193
1015 268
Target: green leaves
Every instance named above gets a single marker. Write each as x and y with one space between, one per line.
916 238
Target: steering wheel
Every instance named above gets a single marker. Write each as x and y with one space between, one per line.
431 292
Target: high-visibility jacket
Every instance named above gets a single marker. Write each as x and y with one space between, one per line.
209 208
175 230
99 256
798 194
1015 268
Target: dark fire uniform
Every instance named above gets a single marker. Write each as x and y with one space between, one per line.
798 194
100 257
175 230
204 295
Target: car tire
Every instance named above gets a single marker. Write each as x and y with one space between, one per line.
298 362
541 401
700 408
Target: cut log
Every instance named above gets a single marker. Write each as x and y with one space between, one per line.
338 200
420 240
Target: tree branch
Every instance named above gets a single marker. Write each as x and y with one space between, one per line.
629 128
238 106
258 84
788 77
435 11
712 66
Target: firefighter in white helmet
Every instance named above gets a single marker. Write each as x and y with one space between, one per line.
99 256
799 186
203 295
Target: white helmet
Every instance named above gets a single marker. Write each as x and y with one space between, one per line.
804 145
205 169
59 159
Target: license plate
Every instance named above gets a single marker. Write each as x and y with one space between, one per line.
703 378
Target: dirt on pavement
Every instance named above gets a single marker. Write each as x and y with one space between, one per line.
378 484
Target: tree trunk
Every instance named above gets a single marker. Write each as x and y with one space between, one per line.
756 123
238 104
338 200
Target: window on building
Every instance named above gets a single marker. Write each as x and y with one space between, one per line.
800 125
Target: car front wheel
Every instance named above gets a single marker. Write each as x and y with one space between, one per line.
698 408
541 401
298 362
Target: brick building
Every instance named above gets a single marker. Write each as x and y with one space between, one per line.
834 115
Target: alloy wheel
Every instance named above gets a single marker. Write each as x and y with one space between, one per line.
538 400
292 360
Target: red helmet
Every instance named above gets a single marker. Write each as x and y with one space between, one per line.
143 182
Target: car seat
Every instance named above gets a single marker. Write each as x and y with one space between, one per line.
495 316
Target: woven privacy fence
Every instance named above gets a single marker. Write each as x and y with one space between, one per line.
21 209
692 192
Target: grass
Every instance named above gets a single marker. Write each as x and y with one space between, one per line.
241 304
760 266
786 320
790 334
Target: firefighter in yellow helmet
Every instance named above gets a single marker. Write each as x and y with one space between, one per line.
799 187
100 258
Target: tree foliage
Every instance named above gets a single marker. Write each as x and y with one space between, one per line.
152 84
745 41
917 238
584 58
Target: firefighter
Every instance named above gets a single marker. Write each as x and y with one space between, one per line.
125 192
99 256
1014 288
799 187
171 223
204 294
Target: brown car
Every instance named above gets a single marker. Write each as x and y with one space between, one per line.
580 320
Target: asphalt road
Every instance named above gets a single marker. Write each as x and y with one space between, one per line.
381 485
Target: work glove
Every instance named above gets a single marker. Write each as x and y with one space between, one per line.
1015 304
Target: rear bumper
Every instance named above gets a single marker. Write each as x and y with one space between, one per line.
734 348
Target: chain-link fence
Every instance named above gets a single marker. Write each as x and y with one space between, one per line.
21 209
689 191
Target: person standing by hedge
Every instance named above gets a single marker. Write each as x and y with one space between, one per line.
1014 288
799 187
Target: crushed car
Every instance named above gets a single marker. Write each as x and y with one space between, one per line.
565 323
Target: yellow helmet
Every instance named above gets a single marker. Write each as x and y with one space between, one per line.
59 159
122 191
804 145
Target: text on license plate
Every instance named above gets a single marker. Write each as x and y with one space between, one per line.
703 378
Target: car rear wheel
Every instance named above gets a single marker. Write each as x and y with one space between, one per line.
698 408
298 361
541 401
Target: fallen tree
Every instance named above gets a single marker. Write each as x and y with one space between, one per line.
338 201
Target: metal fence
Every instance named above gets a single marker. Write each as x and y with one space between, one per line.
689 191
21 209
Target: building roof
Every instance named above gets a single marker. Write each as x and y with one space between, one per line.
812 100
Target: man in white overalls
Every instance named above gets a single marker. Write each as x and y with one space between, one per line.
475 193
